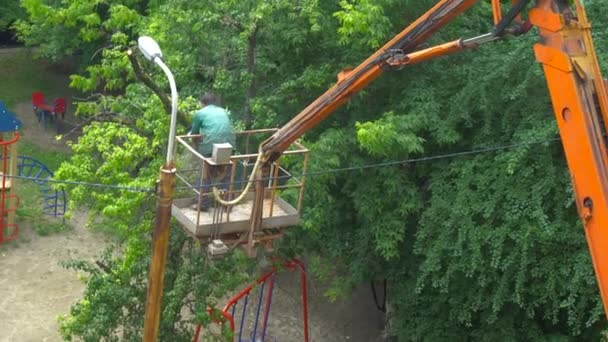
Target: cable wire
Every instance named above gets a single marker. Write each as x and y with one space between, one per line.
306 174
88 184
398 162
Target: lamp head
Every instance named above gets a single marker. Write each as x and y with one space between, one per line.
149 48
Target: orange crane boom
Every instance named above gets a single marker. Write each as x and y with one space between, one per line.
353 81
580 103
576 86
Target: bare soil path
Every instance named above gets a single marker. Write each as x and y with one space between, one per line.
34 288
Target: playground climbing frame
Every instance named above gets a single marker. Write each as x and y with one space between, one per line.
236 310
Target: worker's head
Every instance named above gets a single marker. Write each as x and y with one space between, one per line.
208 98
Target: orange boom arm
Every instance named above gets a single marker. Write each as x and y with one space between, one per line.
580 103
369 70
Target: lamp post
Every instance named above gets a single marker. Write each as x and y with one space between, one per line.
160 239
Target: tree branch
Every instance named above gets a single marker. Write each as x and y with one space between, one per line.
106 117
251 89
182 118
103 267
140 165
229 21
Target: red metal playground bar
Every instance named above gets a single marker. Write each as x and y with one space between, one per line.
236 319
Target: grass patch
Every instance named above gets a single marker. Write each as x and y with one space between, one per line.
51 158
22 75
30 210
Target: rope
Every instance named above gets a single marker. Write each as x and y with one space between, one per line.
216 192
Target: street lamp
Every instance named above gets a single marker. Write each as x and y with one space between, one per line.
160 239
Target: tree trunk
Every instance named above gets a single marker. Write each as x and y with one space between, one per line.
389 317
251 89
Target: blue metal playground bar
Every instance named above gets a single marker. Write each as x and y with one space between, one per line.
54 201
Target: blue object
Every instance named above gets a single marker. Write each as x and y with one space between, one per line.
258 333
243 316
8 120
257 313
54 200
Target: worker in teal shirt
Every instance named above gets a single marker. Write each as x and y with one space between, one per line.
212 122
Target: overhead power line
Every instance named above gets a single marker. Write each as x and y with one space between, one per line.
83 183
431 158
399 162
307 174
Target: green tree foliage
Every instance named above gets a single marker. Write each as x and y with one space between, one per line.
482 247
485 247
11 11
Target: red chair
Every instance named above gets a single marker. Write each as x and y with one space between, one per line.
60 106
41 109
37 100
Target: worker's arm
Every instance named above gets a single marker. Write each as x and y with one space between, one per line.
196 128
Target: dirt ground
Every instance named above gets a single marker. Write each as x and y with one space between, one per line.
34 132
34 288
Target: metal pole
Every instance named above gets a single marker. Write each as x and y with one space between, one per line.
160 239
160 243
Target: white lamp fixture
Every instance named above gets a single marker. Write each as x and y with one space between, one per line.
149 48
